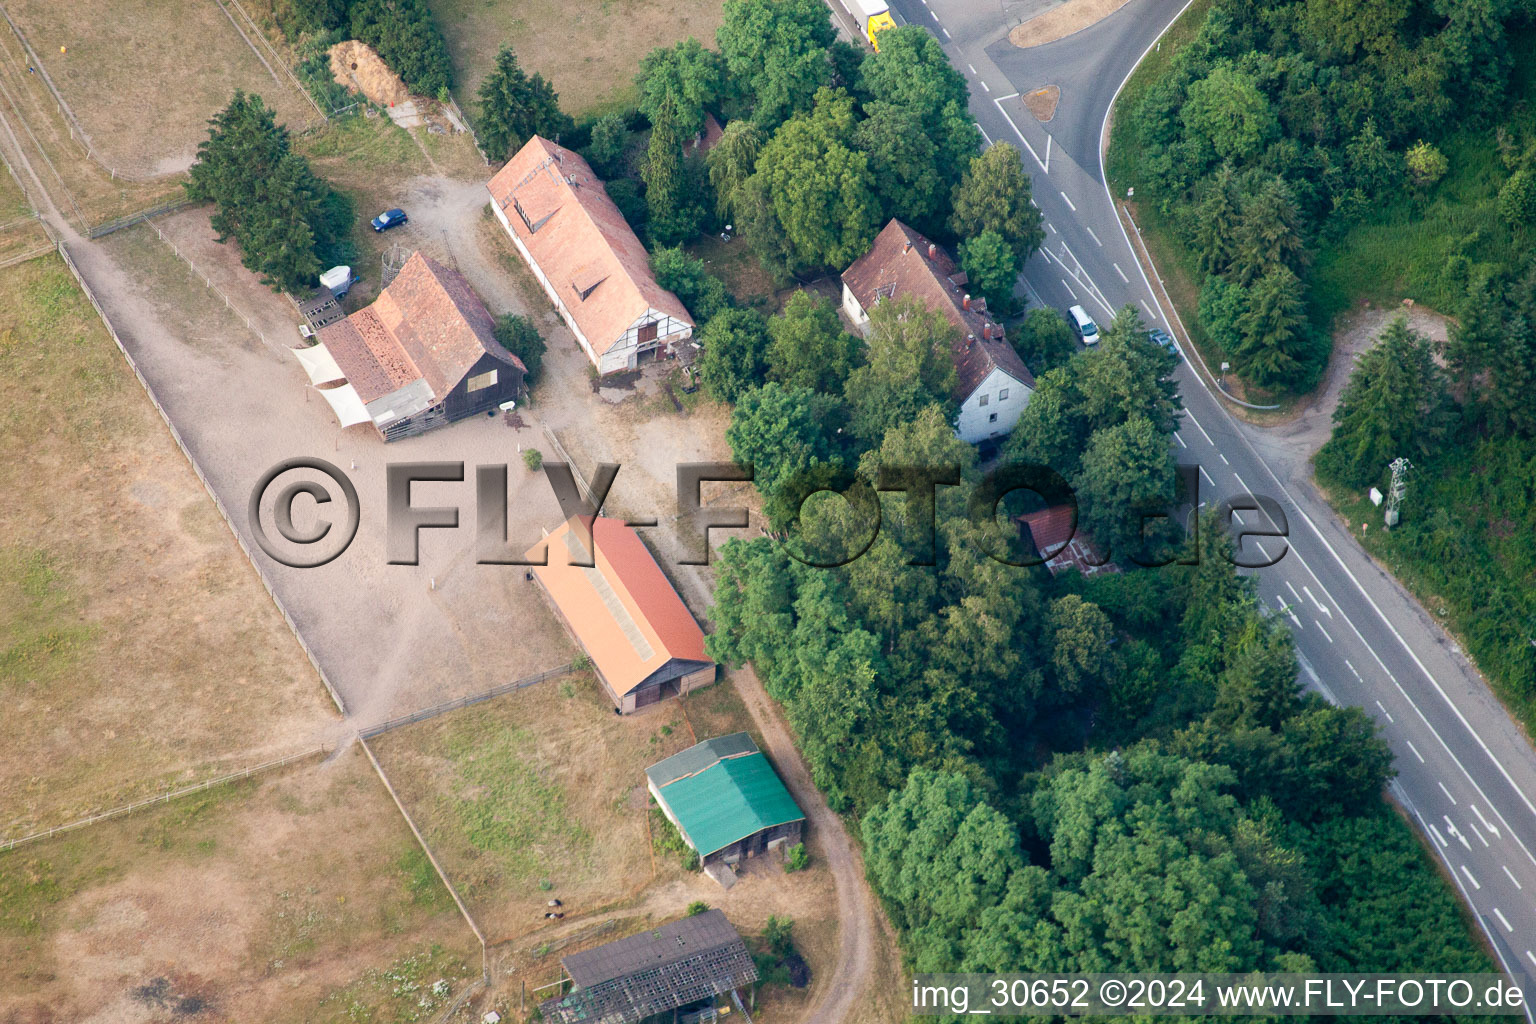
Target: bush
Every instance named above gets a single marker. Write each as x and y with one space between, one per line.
697 907
684 276
533 459
518 335
778 937
1426 165
796 860
667 839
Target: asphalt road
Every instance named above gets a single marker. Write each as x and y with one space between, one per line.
1465 772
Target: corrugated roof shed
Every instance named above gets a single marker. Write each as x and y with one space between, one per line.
653 972
735 796
699 757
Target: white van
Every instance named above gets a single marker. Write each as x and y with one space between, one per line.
1086 328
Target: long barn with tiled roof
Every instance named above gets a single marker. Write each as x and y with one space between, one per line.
587 259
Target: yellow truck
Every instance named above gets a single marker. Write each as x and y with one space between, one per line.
873 17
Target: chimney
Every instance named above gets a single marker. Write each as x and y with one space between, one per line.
933 251
966 302
986 332
906 248
970 341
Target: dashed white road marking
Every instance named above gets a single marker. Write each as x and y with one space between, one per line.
1092 235
1179 439
1068 287
935 17
989 141
1121 273
1353 669
1207 477
1048 153
1415 751
1053 228
1330 639
1223 459
1484 820
1447 793
1470 878
1511 876
1241 482
1382 706
1531 955
1292 590
1450 826
947 36
1068 200
1438 837
1200 428
1477 833
1503 920
1270 558
971 66
985 87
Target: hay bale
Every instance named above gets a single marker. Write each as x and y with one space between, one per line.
358 68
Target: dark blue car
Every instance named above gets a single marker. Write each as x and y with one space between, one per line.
1161 339
388 219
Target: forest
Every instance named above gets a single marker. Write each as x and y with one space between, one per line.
1381 152
1278 128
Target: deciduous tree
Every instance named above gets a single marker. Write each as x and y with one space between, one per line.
809 347
994 195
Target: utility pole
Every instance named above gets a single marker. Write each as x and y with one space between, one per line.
1400 468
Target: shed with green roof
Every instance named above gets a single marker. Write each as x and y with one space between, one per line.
726 800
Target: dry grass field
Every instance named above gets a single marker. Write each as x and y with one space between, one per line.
138 650
84 191
144 76
590 51
298 896
541 788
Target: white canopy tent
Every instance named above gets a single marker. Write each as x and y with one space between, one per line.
346 404
319 364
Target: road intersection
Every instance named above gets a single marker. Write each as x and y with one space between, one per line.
1466 773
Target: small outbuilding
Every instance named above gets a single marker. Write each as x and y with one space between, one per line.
422 355
726 800
679 973
614 599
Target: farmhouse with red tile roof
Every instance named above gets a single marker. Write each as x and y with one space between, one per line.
586 258
994 384
422 355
